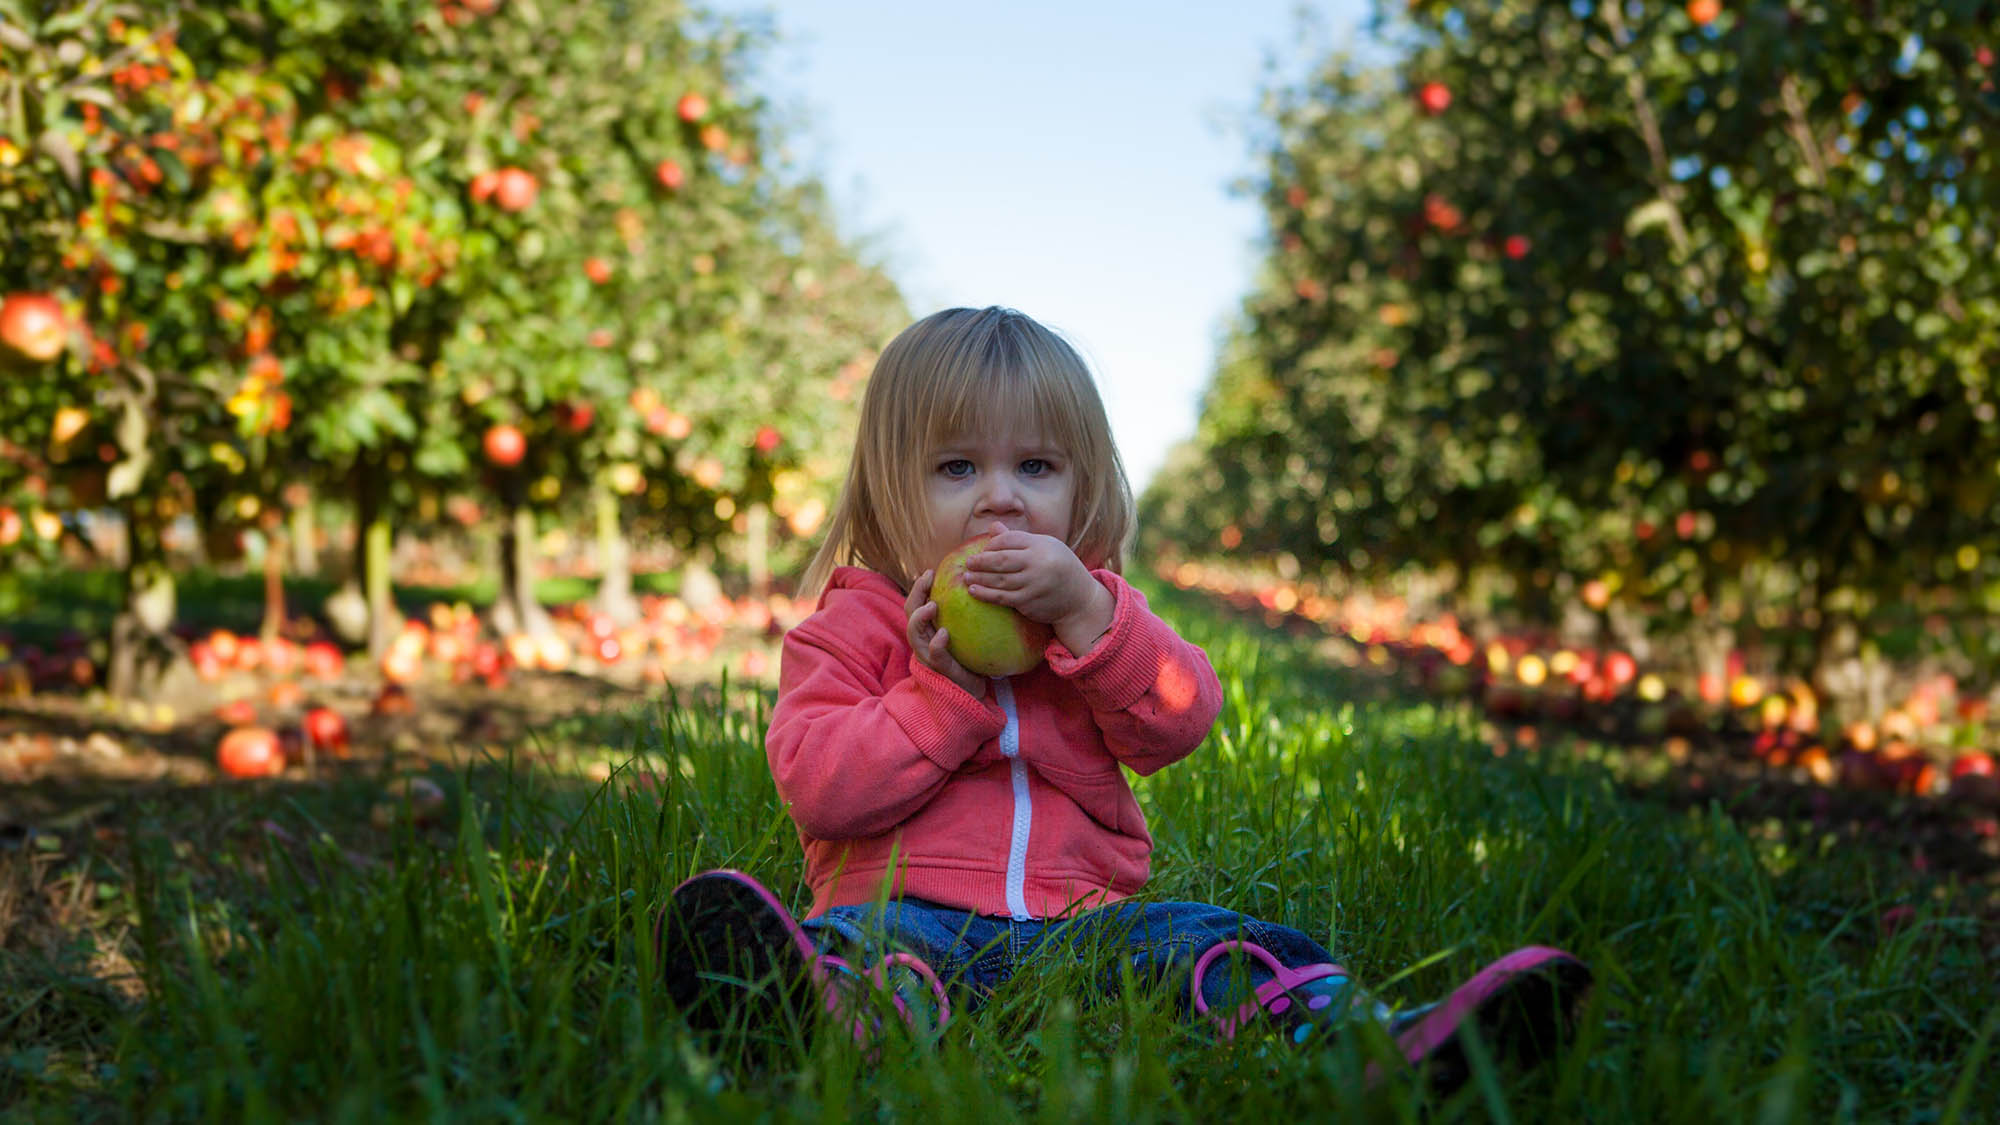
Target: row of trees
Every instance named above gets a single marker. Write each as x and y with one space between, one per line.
1689 310
551 256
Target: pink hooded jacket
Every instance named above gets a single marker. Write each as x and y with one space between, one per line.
1008 805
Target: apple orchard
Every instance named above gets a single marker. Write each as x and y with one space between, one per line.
1617 338
395 270
1616 364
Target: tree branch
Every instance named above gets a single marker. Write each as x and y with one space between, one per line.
1800 129
1649 130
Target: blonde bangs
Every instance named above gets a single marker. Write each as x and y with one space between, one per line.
960 372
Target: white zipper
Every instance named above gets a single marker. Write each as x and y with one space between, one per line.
1024 807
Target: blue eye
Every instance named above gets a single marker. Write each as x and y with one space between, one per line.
1034 466
957 467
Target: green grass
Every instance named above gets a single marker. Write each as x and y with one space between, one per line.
503 971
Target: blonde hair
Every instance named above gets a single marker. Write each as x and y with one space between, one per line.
941 378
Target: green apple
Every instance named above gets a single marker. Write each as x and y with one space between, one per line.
988 639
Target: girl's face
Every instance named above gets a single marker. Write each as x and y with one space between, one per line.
1020 479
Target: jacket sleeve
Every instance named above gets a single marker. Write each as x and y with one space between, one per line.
1152 694
852 758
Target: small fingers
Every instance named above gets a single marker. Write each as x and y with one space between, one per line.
922 622
1000 561
941 657
990 580
920 591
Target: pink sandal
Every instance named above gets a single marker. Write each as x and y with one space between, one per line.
1273 996
1523 1006
725 928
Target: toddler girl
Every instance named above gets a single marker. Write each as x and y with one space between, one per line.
956 826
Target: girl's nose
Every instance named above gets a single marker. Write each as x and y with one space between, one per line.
998 496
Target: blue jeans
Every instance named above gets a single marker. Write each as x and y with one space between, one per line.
1159 941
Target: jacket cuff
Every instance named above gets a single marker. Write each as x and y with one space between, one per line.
1125 663
944 723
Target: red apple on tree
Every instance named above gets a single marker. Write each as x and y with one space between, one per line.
515 189
1704 12
670 174
484 184
597 270
10 527
1434 97
32 325
1440 213
575 416
767 439
505 446
692 108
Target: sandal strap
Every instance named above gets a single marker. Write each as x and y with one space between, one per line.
1273 996
918 965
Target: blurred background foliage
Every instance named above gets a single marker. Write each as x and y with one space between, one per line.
1688 312
428 264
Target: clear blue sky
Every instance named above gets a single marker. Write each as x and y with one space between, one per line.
1072 160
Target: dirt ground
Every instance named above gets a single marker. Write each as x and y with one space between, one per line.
66 759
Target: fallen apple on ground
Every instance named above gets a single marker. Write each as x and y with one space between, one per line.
326 730
988 639
250 752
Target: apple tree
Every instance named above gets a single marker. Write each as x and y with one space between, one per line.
1683 301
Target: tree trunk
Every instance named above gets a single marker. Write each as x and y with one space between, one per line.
614 559
142 650
305 555
274 584
383 619
700 589
515 609
373 533
142 653
759 535
1709 645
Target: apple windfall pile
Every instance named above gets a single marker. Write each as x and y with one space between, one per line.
1934 744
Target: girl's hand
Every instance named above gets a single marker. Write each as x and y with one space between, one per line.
1043 580
930 643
